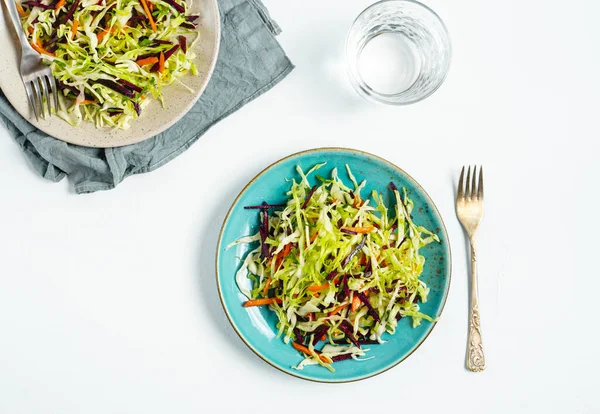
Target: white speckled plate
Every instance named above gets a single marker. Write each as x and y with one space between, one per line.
154 119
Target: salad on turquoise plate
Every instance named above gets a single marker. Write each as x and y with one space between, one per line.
333 265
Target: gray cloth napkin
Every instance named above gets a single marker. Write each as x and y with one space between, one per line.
250 62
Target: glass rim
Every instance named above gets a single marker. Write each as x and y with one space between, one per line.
382 97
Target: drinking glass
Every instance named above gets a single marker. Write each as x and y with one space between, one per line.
398 52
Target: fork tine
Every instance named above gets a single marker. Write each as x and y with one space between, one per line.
45 94
48 81
31 99
474 184
54 92
38 95
468 184
460 194
480 189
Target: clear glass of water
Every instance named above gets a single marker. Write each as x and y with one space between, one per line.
398 52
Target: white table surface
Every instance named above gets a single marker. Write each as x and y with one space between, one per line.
108 301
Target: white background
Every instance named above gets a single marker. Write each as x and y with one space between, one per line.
108 301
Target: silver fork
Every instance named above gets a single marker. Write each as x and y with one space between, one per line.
37 77
469 209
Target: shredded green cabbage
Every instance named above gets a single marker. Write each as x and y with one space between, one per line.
107 42
317 281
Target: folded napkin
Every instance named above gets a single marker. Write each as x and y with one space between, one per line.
250 62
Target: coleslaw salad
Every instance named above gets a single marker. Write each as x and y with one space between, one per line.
111 57
336 268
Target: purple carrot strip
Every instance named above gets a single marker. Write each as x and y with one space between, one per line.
116 87
168 54
348 231
162 42
331 275
137 108
264 233
147 55
352 194
182 43
345 287
192 18
395 225
51 42
69 87
393 186
264 206
398 316
190 26
345 292
129 85
67 16
340 223
175 5
135 19
368 269
299 336
38 4
364 299
354 251
342 357
318 333
347 329
309 196
368 342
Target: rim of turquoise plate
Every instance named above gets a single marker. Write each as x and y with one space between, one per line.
316 150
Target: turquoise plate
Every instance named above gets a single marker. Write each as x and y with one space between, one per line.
256 326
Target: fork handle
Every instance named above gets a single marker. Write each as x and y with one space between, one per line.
475 355
16 21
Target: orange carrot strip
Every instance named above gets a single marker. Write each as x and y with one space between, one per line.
306 351
355 303
161 63
38 47
287 249
150 19
30 29
59 5
74 28
101 35
337 310
362 230
266 289
147 61
21 10
314 237
261 302
317 288
87 101
278 260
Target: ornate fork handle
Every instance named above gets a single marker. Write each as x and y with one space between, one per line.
475 355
